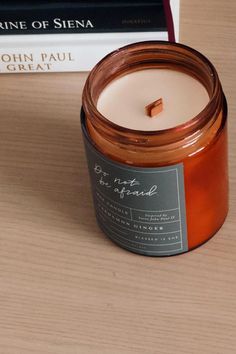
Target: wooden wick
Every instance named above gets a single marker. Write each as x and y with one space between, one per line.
154 108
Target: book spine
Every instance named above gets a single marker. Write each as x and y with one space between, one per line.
63 52
81 17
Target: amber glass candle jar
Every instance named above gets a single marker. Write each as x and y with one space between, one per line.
160 192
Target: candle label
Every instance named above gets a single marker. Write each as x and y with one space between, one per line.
141 209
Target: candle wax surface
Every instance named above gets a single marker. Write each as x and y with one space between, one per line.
123 101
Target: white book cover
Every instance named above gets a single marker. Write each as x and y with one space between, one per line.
69 52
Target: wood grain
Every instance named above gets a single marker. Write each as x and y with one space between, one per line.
65 288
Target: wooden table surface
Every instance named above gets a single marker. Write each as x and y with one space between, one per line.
67 289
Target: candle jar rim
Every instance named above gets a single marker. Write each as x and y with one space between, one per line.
143 56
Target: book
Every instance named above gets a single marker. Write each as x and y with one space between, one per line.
69 52
80 16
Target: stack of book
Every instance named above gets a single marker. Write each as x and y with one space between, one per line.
59 35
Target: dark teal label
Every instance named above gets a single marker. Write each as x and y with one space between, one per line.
141 209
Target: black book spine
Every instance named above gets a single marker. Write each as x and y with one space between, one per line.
81 17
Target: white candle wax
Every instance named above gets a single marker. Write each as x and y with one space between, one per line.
123 101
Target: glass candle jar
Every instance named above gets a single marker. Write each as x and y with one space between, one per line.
157 192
